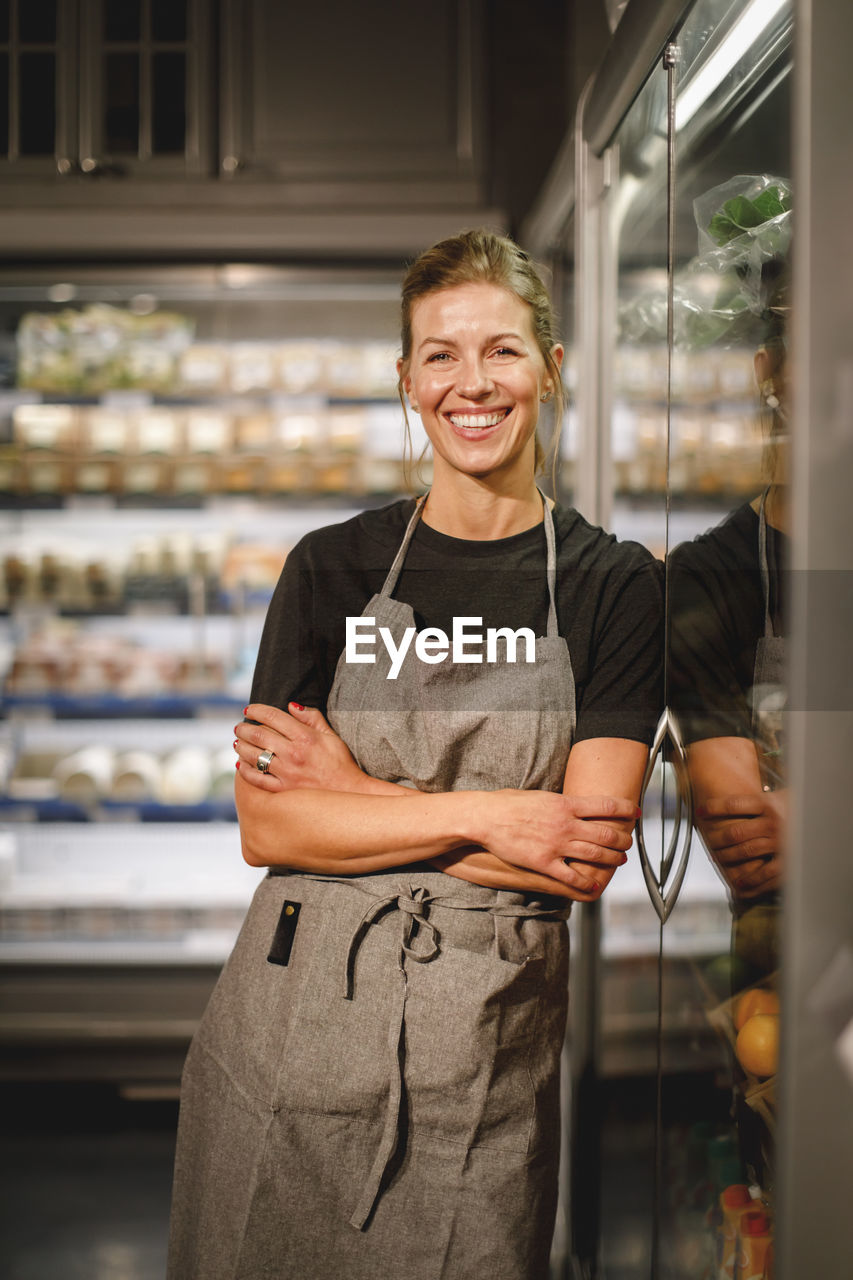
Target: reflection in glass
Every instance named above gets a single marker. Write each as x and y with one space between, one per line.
121 93
168 95
37 21
727 668
4 104
38 103
122 20
168 19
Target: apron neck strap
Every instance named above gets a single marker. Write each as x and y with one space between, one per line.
551 563
763 563
394 572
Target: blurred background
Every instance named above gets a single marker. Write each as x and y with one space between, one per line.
207 209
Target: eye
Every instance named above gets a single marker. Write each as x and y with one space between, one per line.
505 352
438 357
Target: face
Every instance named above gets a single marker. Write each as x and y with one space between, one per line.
476 376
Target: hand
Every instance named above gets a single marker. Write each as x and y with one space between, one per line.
744 835
306 751
576 840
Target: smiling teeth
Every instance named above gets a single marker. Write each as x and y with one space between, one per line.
477 419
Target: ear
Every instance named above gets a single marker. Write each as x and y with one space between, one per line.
557 353
763 366
406 383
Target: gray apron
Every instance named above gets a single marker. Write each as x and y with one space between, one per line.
768 695
383 1098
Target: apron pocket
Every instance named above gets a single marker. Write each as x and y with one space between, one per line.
471 1024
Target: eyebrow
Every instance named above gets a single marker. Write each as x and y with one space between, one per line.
495 337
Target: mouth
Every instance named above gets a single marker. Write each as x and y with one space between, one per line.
477 424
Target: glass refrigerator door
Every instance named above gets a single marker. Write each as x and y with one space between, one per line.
731 215
698 237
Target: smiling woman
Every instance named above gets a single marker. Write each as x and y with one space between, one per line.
380 1060
479 382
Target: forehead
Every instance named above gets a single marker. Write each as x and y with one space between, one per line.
481 309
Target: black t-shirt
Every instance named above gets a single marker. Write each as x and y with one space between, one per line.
608 594
717 612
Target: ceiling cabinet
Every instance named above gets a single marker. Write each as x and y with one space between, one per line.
240 129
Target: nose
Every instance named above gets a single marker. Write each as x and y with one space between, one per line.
473 381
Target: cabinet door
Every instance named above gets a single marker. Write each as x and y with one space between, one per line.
38 87
409 84
143 89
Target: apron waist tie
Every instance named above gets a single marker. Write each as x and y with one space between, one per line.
413 908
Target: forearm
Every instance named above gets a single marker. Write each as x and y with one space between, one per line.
478 866
329 831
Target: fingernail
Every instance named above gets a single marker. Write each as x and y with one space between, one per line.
639 812
235 744
298 705
245 711
237 764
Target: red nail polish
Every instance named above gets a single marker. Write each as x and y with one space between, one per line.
237 764
245 711
298 705
235 744
639 812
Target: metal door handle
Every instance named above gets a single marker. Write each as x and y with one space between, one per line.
664 898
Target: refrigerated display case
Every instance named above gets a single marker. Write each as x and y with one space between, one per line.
167 435
681 200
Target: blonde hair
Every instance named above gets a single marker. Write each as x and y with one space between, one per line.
482 257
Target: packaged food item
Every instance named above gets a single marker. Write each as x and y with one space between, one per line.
105 430
195 476
302 366
86 775
46 474
252 367
136 776
735 1201
297 429
253 432
185 777
158 431
45 426
145 476
756 1239
203 366
208 431
346 374
94 475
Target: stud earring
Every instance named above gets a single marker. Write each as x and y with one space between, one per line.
546 397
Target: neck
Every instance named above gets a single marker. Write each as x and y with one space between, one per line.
480 510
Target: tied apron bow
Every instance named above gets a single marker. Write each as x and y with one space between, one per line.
415 922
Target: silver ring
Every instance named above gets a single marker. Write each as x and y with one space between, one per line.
264 761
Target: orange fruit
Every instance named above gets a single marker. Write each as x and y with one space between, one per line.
757 1044
756 1000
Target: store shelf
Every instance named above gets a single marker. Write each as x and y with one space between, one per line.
103 706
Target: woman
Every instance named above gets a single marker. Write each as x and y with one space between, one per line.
373 1089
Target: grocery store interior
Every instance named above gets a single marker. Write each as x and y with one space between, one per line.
207 209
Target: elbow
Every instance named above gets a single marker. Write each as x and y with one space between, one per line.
250 855
255 826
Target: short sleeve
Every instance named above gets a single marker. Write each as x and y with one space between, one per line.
623 694
289 666
711 649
